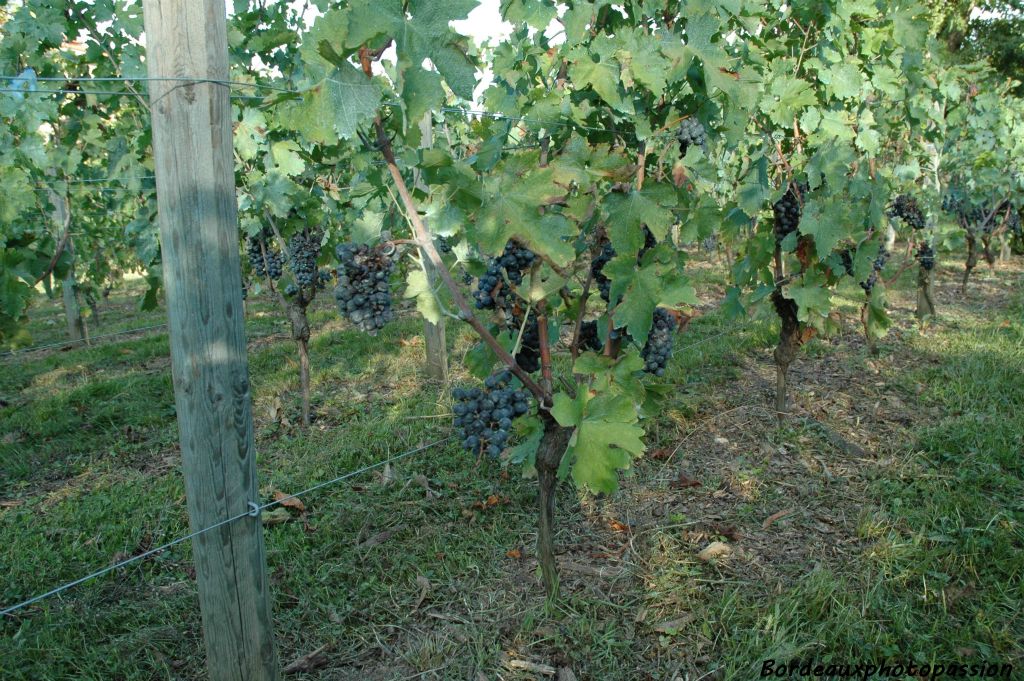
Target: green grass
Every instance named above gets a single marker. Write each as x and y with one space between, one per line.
931 526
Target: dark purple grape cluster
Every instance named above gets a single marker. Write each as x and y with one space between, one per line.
303 251
905 207
323 278
363 292
510 265
484 416
788 210
604 284
264 260
926 256
691 132
876 269
846 257
528 356
589 338
658 349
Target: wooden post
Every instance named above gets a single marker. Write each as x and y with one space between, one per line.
433 334
202 279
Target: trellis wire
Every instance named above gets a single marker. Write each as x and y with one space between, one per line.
272 88
253 512
58 344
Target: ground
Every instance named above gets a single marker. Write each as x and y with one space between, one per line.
881 520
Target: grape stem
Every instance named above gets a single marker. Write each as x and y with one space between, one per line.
427 245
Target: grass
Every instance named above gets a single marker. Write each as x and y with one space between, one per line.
913 552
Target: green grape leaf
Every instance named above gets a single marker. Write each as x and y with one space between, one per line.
286 157
419 288
335 107
627 213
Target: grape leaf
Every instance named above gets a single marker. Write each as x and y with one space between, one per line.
335 107
426 302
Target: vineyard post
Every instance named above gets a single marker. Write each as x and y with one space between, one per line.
433 334
202 279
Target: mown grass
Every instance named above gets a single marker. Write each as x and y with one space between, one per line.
89 473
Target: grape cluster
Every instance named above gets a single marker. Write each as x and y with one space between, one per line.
952 202
323 278
303 250
691 132
291 290
788 210
604 284
658 349
515 260
444 244
363 292
271 265
905 208
528 356
589 340
710 244
846 257
484 416
876 268
1013 222
926 256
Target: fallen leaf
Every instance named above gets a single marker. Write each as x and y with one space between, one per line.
565 674
532 667
514 553
728 531
308 662
276 517
674 625
617 526
424 584
683 481
775 516
662 453
714 550
289 501
379 538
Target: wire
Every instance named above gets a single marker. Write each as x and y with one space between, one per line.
254 511
149 79
124 93
34 348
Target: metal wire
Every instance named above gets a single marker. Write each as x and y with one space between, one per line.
34 348
253 511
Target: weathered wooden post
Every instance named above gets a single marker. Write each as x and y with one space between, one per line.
203 284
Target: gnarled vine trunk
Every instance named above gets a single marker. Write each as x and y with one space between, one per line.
790 341
865 314
549 456
69 295
990 257
972 260
925 294
300 334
